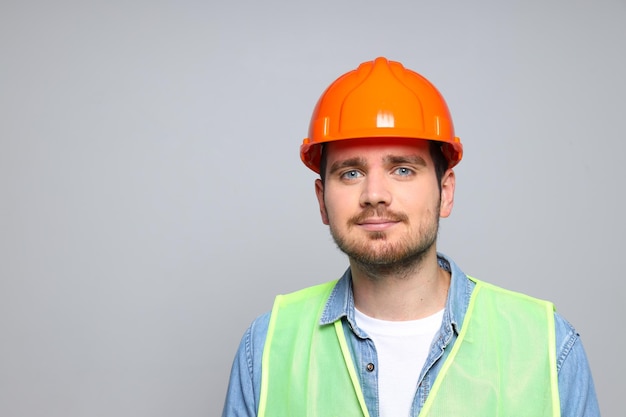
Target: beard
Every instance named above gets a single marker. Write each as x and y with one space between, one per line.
376 253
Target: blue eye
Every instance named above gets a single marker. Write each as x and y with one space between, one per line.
403 171
352 174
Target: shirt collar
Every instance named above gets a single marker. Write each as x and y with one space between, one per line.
340 303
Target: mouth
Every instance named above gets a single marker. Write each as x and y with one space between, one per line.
377 224
378 220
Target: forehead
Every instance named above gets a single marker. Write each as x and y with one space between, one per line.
376 148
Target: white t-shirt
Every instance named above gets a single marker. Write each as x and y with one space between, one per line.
402 348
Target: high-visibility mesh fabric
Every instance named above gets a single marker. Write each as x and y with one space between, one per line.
503 363
305 372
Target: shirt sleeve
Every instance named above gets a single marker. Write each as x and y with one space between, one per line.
576 388
242 395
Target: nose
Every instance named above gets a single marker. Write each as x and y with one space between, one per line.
375 190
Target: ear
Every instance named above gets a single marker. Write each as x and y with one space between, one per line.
448 183
319 192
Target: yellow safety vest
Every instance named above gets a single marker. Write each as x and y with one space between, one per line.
503 362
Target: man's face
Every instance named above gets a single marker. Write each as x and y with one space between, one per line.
381 199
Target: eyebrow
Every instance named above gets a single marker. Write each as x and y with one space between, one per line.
358 162
347 163
405 159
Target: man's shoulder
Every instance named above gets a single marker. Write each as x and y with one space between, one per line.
566 334
309 292
508 293
257 330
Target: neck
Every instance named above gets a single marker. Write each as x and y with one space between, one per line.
406 292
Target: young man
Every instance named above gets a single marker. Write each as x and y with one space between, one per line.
404 332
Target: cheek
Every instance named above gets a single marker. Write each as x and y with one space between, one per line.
338 207
331 211
429 205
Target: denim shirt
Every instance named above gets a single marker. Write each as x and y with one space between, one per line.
576 388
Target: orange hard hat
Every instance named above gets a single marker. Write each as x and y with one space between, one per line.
380 99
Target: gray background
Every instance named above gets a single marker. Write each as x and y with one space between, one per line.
152 201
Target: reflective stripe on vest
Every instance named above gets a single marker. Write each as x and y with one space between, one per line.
502 364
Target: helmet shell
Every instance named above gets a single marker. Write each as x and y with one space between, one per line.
380 99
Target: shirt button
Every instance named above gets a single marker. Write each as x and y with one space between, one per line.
370 367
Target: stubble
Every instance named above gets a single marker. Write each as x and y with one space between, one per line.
376 254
